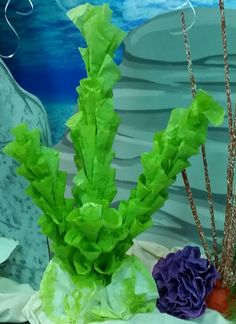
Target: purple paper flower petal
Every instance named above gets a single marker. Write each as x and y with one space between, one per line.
184 280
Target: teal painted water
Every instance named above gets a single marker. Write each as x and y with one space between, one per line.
48 63
58 113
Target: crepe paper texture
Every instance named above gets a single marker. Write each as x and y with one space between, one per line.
7 246
184 280
81 299
90 238
223 300
13 298
147 252
219 299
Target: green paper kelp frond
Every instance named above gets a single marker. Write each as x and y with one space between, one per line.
88 235
94 127
84 230
84 299
95 231
131 291
40 166
101 36
185 133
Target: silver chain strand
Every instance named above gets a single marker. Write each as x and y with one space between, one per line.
11 55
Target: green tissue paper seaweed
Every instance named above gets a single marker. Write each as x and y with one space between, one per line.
89 238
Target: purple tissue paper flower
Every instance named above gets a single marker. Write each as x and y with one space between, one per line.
184 280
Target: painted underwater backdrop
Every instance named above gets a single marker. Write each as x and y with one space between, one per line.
48 63
154 80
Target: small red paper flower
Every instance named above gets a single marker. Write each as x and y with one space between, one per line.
218 299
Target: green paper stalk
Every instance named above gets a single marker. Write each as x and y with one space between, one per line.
184 134
40 166
94 127
89 238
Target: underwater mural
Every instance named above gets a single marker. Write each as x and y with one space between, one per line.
154 80
47 63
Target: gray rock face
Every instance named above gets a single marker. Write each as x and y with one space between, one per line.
155 80
18 215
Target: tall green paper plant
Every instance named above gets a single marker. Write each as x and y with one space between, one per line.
90 238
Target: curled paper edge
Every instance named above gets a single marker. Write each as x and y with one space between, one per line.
7 246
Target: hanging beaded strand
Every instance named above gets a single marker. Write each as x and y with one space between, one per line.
204 157
229 225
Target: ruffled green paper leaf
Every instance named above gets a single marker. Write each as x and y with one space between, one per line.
82 299
131 291
40 165
94 127
84 230
102 39
185 133
95 231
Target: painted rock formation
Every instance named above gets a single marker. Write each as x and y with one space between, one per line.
18 215
155 80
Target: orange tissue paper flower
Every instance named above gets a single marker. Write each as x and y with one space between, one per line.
218 299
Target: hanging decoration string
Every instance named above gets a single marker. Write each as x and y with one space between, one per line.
186 4
204 156
61 5
12 28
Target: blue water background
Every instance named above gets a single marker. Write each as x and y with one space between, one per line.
48 63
